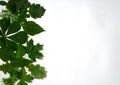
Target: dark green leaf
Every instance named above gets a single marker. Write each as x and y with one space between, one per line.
3 3
37 71
12 6
20 37
22 4
7 54
36 11
11 44
14 27
20 51
32 28
2 42
20 62
4 24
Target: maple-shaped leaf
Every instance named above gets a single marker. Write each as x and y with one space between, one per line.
37 71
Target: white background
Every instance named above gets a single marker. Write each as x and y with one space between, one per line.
81 42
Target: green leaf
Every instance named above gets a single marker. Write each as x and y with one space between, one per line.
4 24
20 51
14 27
3 3
7 54
22 4
32 28
37 47
20 37
11 44
34 55
21 62
22 83
22 75
37 71
36 11
11 6
28 78
33 50
2 42
29 45
6 68
8 81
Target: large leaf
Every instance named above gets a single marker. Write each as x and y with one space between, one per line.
20 37
36 11
32 28
37 71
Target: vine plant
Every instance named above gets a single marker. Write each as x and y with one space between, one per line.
17 49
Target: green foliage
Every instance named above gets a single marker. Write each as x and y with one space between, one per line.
17 49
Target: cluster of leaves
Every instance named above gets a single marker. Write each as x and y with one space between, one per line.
17 50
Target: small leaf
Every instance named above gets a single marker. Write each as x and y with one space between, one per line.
38 47
14 27
3 3
37 71
34 55
22 83
29 45
20 51
20 37
36 11
28 78
32 28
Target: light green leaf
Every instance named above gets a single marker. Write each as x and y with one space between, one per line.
22 83
37 71
32 28
20 51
